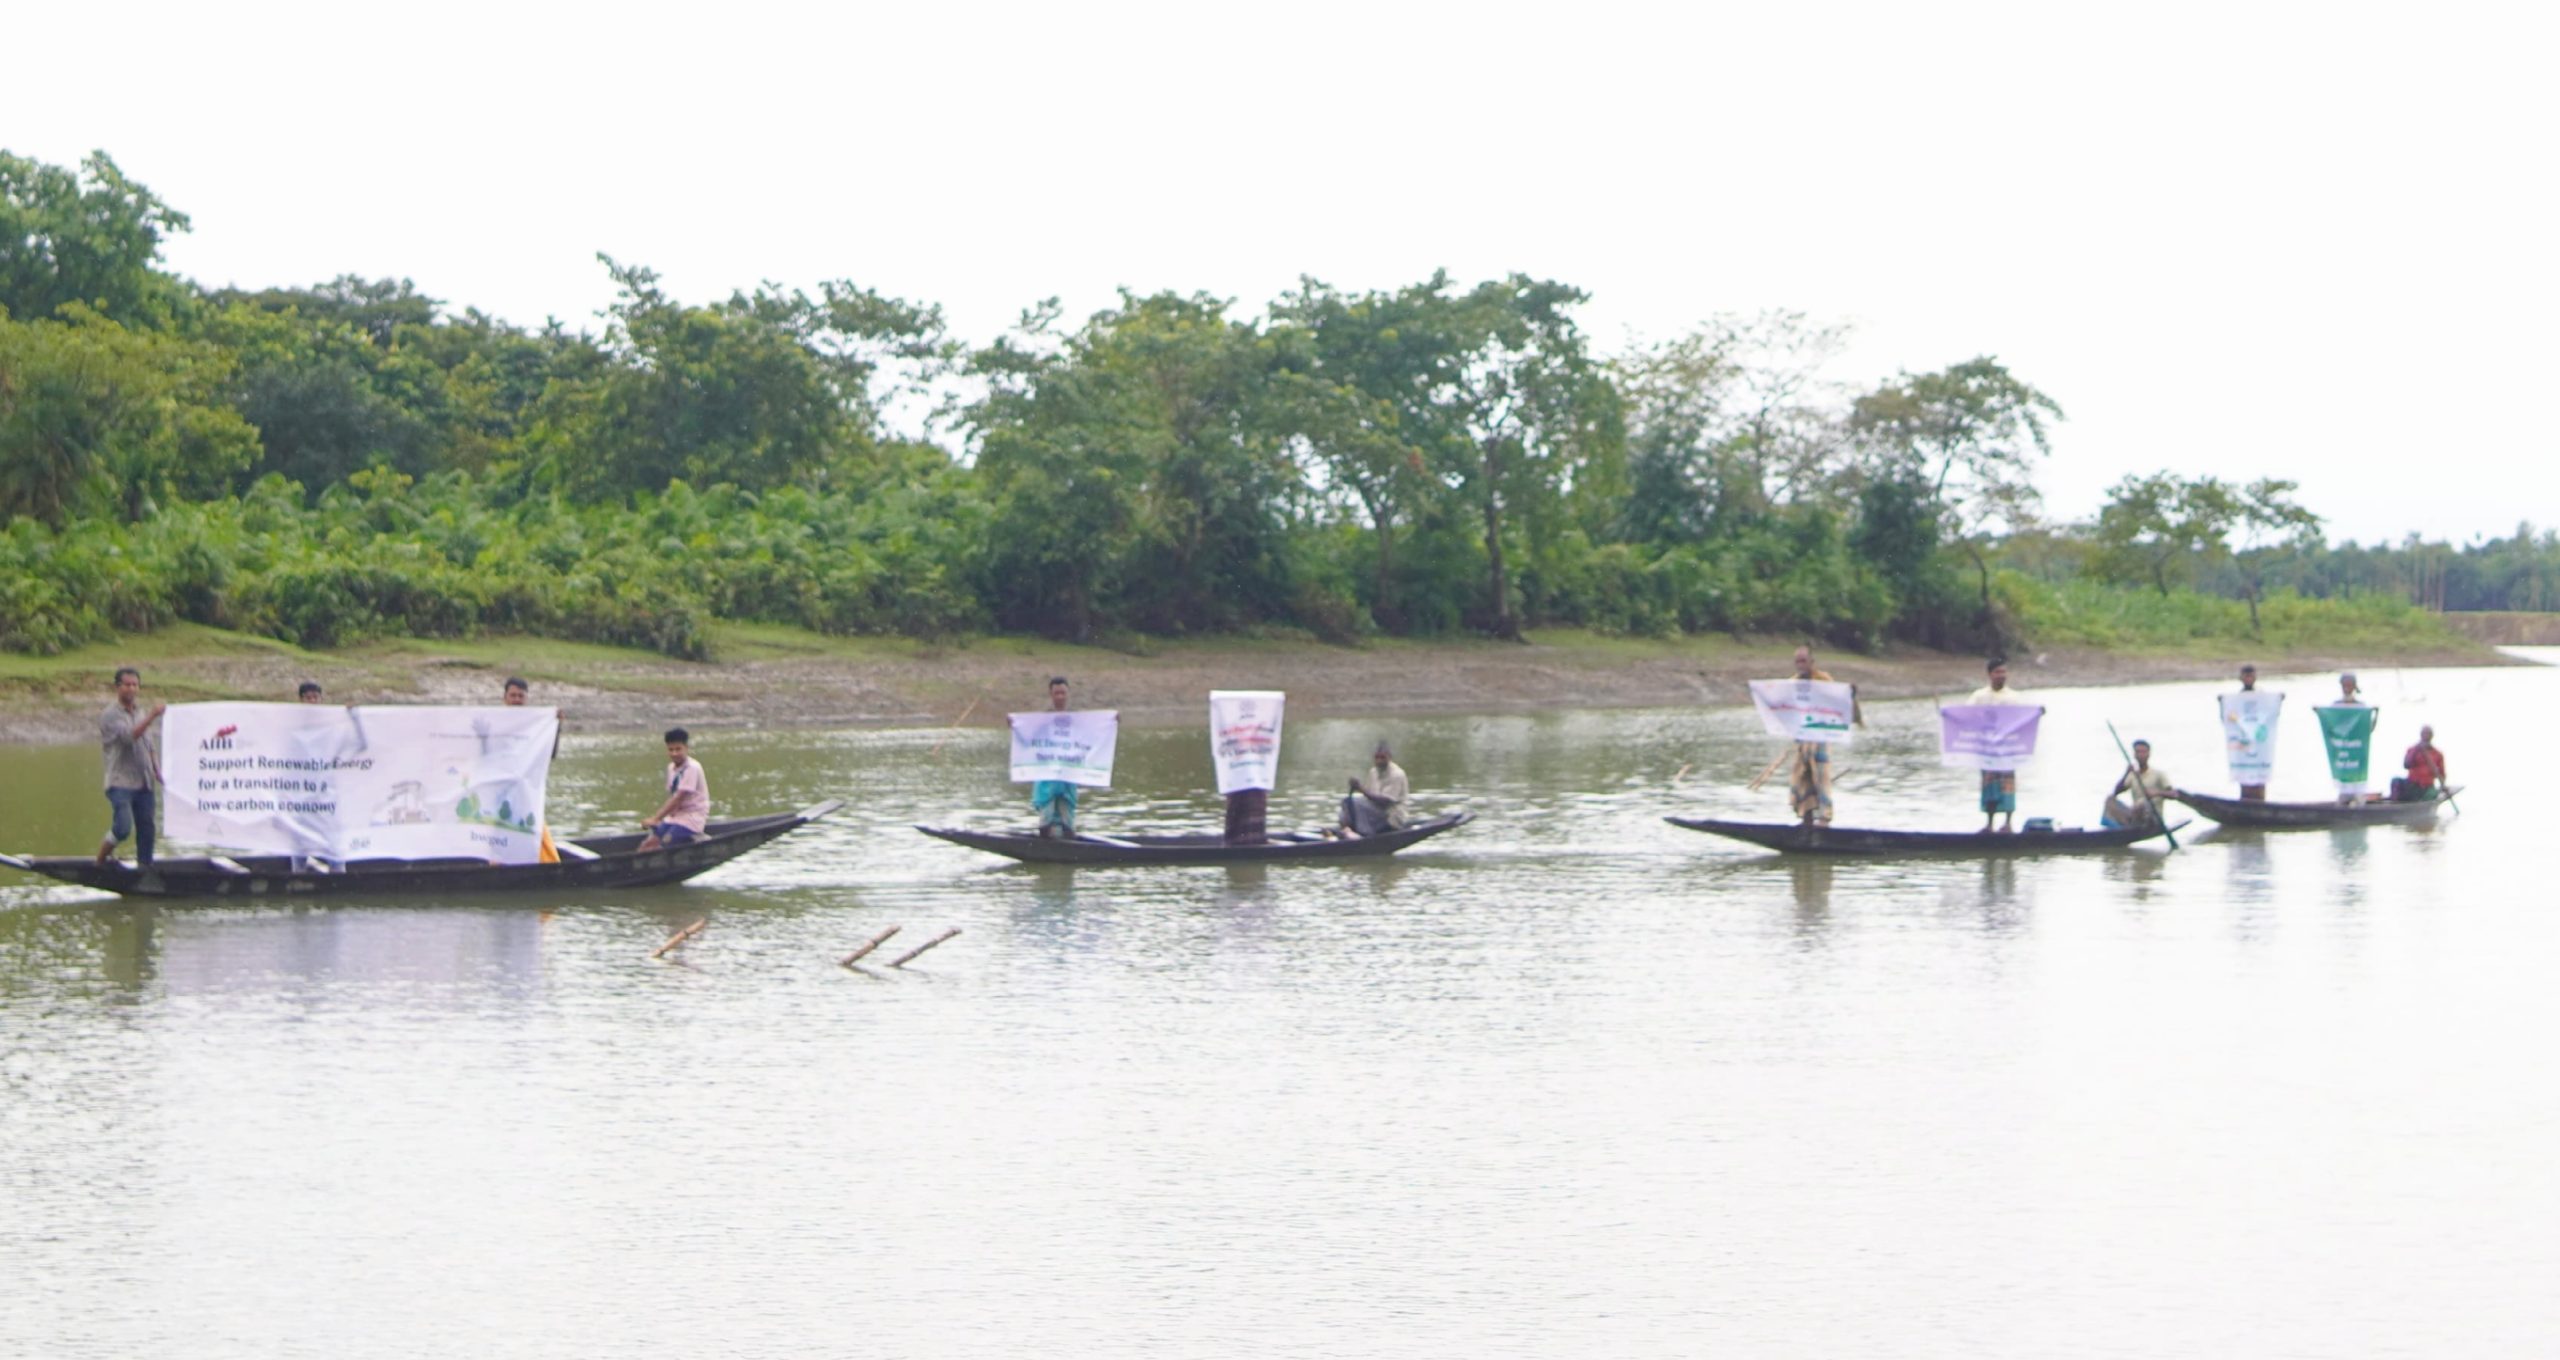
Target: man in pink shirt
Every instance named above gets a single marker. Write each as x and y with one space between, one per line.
688 807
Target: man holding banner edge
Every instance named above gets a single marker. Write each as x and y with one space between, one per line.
2000 770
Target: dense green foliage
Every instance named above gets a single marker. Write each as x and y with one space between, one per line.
354 459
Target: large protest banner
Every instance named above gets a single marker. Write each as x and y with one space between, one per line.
359 783
1073 748
1987 736
1244 738
2249 734
2347 731
1805 710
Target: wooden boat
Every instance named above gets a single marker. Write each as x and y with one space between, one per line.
2284 816
1207 847
590 862
1795 838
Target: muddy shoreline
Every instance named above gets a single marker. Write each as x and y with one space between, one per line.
904 685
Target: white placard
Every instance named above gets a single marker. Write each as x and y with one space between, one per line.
359 783
1244 737
1805 710
1073 747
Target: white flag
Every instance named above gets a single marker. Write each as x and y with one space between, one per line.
2249 734
359 783
1805 710
1076 748
1244 737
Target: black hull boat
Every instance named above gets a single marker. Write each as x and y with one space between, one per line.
1199 848
1795 838
2238 812
594 862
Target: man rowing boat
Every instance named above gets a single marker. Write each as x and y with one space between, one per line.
2135 800
2425 781
1378 794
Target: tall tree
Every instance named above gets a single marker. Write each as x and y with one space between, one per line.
2271 527
90 236
1494 392
100 418
1971 433
2160 528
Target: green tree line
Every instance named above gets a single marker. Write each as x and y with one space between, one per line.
354 459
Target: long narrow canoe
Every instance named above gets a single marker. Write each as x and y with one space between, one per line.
591 862
1206 847
2290 816
1795 838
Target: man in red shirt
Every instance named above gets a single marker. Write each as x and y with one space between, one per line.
2425 765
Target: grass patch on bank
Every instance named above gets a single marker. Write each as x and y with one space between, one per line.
2114 618
92 665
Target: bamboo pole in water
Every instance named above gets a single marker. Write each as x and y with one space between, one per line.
680 937
874 942
902 960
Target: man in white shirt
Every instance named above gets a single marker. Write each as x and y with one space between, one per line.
1377 798
1999 787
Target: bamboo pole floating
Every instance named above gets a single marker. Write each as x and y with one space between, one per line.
902 960
874 942
956 724
680 937
1680 774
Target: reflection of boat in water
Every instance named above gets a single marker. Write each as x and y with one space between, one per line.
2286 816
1796 838
593 862
1206 847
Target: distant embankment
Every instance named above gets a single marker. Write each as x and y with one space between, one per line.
2505 628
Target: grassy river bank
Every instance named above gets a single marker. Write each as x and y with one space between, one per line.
769 676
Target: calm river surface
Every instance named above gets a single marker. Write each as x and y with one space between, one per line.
1567 1081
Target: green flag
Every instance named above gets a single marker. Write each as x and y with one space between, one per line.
2347 732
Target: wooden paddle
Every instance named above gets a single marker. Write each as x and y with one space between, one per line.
2139 787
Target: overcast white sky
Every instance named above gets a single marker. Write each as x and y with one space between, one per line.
2308 241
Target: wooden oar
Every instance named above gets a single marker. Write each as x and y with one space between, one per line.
1763 777
2139 787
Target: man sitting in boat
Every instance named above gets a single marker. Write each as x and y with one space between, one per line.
2135 801
2425 764
1376 802
1054 800
687 810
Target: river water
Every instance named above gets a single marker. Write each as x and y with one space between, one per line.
1566 1081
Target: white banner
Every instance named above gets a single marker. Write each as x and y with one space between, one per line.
2249 734
1805 710
1244 737
359 783
1987 736
1076 748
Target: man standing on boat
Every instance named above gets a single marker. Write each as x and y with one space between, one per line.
2248 685
132 752
1999 787
513 694
2346 731
1054 800
2135 802
1376 802
1809 768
